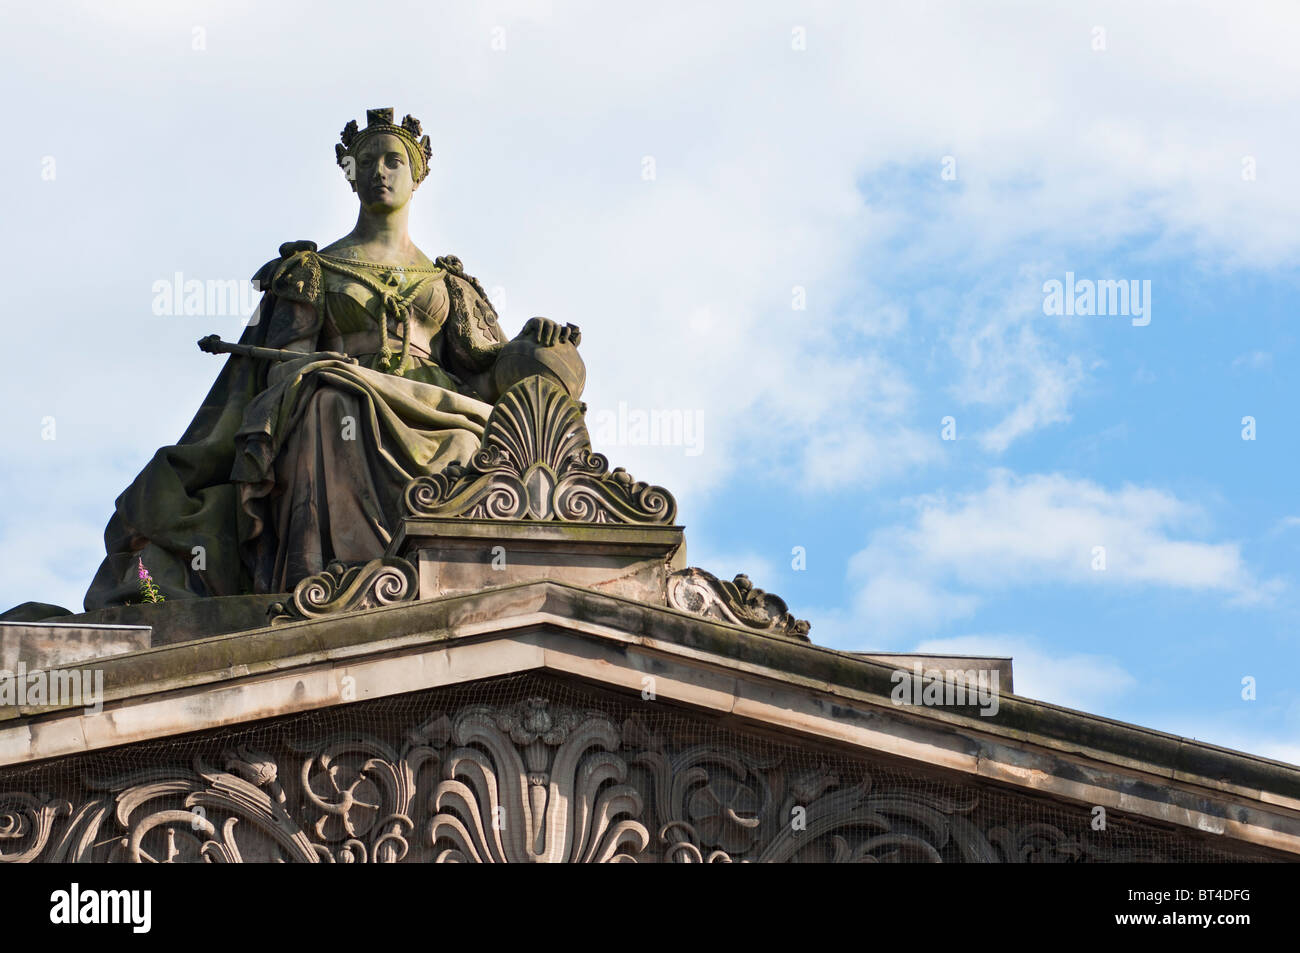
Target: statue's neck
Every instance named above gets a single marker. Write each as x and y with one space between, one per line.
383 232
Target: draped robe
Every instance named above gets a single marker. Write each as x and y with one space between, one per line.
287 466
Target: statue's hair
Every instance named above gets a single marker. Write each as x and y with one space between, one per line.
381 121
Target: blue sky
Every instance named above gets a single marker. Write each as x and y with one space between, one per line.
798 151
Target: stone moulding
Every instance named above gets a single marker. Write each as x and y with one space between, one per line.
738 602
536 781
536 463
341 588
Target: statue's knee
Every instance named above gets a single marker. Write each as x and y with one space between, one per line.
333 407
462 446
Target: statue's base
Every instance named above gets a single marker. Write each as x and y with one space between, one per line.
465 555
177 620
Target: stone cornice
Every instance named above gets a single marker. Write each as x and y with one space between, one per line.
795 688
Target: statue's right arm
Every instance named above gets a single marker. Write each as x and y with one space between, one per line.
291 317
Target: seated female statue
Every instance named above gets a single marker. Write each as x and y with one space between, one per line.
294 463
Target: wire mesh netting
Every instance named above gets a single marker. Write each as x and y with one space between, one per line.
531 768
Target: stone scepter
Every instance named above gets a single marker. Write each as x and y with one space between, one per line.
212 344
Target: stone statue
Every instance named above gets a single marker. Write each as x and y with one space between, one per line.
369 365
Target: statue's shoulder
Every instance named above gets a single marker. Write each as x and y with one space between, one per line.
295 274
460 282
450 264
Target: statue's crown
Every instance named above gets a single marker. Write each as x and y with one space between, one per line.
381 121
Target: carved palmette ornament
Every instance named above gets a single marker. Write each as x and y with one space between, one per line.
341 588
737 602
531 784
536 463
526 782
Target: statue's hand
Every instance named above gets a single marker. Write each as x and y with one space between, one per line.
543 348
549 333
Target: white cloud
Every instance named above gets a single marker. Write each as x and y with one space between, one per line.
1033 530
1254 360
682 284
1046 404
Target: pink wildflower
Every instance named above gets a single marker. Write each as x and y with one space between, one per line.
148 591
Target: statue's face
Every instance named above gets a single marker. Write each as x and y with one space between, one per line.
384 173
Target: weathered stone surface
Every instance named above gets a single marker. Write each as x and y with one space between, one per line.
949 665
34 612
737 602
812 698
537 771
380 582
181 620
46 645
464 555
536 463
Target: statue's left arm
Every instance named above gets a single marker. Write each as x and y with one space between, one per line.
480 354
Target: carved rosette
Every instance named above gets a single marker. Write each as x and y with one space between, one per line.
341 588
536 463
737 602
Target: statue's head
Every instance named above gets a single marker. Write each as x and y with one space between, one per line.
384 162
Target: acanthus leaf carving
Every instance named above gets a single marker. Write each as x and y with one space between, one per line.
563 795
342 588
536 463
532 781
738 602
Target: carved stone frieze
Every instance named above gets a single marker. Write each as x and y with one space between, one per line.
737 602
341 588
536 463
527 779
534 784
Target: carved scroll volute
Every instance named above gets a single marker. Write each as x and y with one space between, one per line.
738 602
26 824
534 782
536 462
340 588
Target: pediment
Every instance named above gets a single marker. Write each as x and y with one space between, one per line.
690 712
